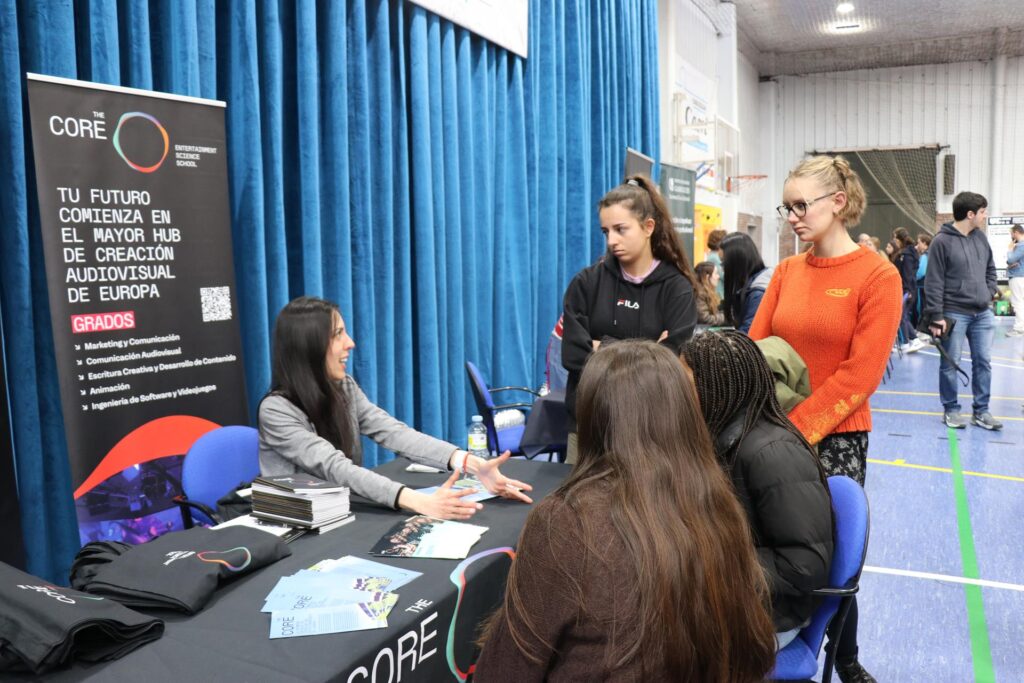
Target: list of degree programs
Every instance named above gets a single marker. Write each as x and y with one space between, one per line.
129 361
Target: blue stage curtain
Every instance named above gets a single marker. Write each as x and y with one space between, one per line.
439 188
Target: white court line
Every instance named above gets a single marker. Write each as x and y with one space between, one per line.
968 360
945 577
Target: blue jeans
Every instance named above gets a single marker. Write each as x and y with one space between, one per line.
978 329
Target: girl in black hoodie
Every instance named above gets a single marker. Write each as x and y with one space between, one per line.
642 288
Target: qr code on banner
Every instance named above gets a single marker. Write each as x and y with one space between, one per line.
216 303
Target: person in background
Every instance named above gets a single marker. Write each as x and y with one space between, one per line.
746 278
924 240
642 288
959 285
774 471
892 250
555 374
906 262
640 566
312 418
708 301
865 240
1015 273
714 243
838 306
876 247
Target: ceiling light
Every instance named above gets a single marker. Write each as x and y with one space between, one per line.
848 28
845 7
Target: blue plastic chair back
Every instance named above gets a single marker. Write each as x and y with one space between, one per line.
851 517
799 659
484 403
219 461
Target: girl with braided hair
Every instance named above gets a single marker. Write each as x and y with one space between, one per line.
838 306
775 473
642 288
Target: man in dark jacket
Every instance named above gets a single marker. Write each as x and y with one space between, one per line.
959 285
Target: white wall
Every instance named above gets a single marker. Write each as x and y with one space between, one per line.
945 104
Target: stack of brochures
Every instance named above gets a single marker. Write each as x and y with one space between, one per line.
423 536
335 596
301 500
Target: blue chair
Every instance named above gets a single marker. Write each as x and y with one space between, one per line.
499 439
798 661
216 464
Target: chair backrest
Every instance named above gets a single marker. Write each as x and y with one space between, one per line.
484 403
219 461
850 510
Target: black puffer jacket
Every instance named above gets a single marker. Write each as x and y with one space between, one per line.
790 513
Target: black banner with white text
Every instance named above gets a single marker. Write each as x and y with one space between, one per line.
133 206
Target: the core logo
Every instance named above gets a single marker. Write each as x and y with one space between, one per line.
49 591
178 555
634 305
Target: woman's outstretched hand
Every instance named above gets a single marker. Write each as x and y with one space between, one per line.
497 483
444 503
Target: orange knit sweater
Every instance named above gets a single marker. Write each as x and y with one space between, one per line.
840 314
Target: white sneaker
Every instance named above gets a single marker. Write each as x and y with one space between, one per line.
914 346
1013 332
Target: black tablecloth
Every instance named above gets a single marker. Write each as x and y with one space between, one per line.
547 426
229 639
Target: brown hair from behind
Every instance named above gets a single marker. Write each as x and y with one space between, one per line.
641 196
715 238
835 173
700 593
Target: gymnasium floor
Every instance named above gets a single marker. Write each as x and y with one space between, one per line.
942 595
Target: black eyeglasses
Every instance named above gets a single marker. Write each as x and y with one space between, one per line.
800 208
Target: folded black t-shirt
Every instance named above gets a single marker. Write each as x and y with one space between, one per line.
43 626
182 569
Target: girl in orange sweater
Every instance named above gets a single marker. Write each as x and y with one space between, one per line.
838 306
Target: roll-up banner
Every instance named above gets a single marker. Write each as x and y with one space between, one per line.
999 240
133 208
12 547
679 186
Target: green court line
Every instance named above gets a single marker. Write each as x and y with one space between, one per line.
981 653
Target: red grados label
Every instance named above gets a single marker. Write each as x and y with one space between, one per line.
101 322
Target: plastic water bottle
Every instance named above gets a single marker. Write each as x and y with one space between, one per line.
478 438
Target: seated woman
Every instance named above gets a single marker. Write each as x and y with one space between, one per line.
776 475
639 567
314 414
706 295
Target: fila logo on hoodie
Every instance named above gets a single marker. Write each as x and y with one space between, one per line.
628 304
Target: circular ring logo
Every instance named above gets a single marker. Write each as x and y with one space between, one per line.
127 116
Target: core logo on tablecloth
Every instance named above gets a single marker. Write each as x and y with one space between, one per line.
128 116
458 577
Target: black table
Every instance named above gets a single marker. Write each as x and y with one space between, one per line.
425 640
547 426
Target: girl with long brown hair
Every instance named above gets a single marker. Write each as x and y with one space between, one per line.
639 567
706 293
642 288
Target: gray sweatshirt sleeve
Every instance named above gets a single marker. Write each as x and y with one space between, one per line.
289 444
397 436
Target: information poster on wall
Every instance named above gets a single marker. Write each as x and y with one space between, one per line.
678 186
133 208
999 240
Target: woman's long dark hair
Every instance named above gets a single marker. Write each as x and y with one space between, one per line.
699 603
740 261
302 334
731 374
641 196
